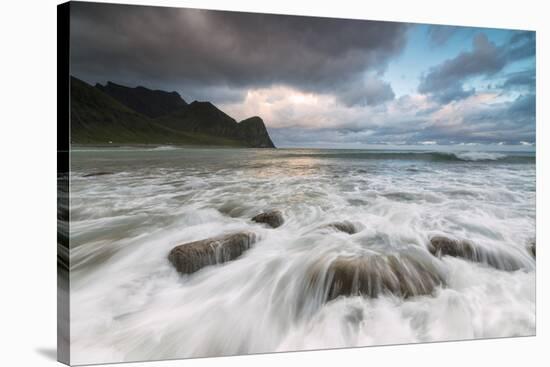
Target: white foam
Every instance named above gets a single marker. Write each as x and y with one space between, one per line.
128 303
479 156
164 147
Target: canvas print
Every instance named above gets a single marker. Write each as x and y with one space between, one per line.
234 183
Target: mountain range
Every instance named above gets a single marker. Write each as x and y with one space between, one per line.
117 114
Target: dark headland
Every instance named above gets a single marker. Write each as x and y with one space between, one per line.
116 114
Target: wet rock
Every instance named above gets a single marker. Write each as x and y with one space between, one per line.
273 218
93 174
402 275
443 246
440 246
344 226
192 256
532 248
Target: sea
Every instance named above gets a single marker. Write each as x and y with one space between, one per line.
129 206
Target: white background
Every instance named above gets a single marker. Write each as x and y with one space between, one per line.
28 179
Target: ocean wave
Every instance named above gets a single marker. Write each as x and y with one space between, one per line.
479 156
434 156
164 147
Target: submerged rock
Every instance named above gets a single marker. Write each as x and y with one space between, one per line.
273 218
93 174
532 248
443 246
402 275
440 245
192 256
344 226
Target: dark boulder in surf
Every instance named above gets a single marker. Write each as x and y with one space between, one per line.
532 248
273 218
440 246
402 275
344 226
193 256
443 246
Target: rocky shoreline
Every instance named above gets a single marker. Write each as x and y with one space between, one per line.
403 274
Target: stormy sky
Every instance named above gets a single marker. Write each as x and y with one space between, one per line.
321 82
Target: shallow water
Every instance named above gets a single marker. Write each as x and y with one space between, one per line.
128 303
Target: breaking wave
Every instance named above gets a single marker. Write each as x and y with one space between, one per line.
480 156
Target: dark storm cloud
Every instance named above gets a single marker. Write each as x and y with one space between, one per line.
522 45
220 94
521 79
195 49
444 82
510 122
440 34
368 92
522 108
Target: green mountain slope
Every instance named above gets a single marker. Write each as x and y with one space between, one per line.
205 118
97 118
151 103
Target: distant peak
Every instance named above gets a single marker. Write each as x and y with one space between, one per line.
202 103
253 120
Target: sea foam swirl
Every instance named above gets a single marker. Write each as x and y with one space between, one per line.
129 303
